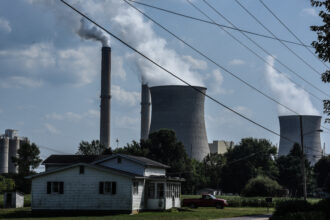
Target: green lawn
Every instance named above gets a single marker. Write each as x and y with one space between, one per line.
199 213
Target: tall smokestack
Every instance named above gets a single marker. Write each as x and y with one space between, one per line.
145 111
105 97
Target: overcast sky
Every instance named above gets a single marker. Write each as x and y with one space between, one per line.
50 76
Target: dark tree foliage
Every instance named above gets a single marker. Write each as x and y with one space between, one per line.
322 173
93 148
261 186
290 174
28 158
250 158
322 45
211 167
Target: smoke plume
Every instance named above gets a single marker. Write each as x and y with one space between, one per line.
288 93
89 32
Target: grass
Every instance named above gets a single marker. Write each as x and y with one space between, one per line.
199 213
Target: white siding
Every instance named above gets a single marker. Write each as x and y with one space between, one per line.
125 165
169 203
81 191
138 199
152 171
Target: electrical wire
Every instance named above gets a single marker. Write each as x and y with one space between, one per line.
213 23
269 31
291 32
171 73
268 53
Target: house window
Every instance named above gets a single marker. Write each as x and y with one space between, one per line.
160 190
135 188
108 188
55 187
173 190
81 169
119 160
151 190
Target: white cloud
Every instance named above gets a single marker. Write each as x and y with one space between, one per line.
195 63
215 80
118 67
20 82
5 25
126 122
288 93
236 62
309 11
72 116
125 97
51 129
42 62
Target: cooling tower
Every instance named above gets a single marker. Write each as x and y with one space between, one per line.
145 111
290 128
4 146
14 145
105 97
181 108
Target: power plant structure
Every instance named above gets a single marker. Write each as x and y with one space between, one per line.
105 97
10 142
294 128
181 108
145 111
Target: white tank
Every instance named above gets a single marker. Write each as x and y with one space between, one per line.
14 145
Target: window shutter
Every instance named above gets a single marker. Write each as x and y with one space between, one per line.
61 187
49 187
101 187
114 187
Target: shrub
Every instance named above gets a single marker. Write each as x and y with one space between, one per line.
6 184
261 186
291 206
314 215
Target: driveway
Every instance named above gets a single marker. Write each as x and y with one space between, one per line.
253 217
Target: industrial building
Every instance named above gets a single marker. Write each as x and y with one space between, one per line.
220 147
10 142
145 111
293 128
181 108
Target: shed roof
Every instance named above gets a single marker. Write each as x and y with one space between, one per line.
71 159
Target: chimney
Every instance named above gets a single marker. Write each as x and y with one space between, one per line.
145 111
105 97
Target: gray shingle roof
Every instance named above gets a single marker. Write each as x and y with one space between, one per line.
72 159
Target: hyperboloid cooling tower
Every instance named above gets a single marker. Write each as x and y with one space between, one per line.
145 111
290 128
105 97
181 108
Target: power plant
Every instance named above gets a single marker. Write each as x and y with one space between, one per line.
181 108
105 97
292 128
145 111
10 142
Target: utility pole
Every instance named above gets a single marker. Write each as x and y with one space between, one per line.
303 159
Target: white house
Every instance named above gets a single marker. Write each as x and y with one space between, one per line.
114 183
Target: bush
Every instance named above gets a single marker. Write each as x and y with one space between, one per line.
261 186
314 215
6 184
291 206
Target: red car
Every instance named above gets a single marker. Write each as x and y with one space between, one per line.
206 200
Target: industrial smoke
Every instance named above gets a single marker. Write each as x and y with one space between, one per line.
90 32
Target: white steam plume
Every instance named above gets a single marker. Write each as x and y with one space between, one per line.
288 94
89 32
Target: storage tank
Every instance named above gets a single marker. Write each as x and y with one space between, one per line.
181 108
4 146
14 145
290 128
145 111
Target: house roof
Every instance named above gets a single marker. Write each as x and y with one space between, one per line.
141 160
72 159
98 167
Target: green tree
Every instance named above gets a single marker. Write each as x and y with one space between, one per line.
290 173
93 148
28 158
322 173
322 45
6 184
261 186
134 148
250 158
212 166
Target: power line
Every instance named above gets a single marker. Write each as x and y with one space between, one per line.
291 32
51 149
169 72
267 52
214 23
259 22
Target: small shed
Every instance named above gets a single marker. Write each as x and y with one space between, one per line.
13 199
